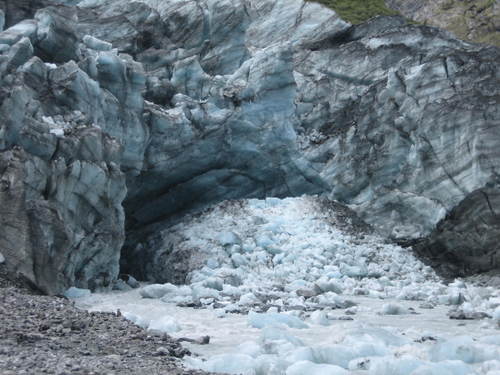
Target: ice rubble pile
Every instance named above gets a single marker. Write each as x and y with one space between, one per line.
300 254
361 351
300 265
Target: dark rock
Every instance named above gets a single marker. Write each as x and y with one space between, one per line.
425 339
474 241
427 305
42 334
350 311
204 340
308 293
343 318
459 314
470 20
161 351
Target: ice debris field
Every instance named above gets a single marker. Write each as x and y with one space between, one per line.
293 286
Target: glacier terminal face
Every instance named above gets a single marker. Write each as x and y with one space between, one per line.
121 116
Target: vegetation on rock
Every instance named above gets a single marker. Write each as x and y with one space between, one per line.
358 11
477 21
471 20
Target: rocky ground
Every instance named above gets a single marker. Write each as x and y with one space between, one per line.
48 335
475 21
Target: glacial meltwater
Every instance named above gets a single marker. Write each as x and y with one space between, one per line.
288 286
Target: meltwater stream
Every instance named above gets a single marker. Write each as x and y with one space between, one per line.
293 287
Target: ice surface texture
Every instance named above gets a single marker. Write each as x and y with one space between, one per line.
294 254
201 101
322 295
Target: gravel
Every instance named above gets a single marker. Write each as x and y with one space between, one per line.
47 335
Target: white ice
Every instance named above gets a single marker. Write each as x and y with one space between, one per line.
313 299
74 293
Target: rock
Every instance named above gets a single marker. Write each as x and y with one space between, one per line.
161 351
342 318
2 259
308 293
460 314
476 22
393 309
453 232
204 340
351 311
425 339
51 335
427 305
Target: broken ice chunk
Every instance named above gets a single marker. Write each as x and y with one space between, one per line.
229 238
257 320
157 290
310 368
165 324
73 293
